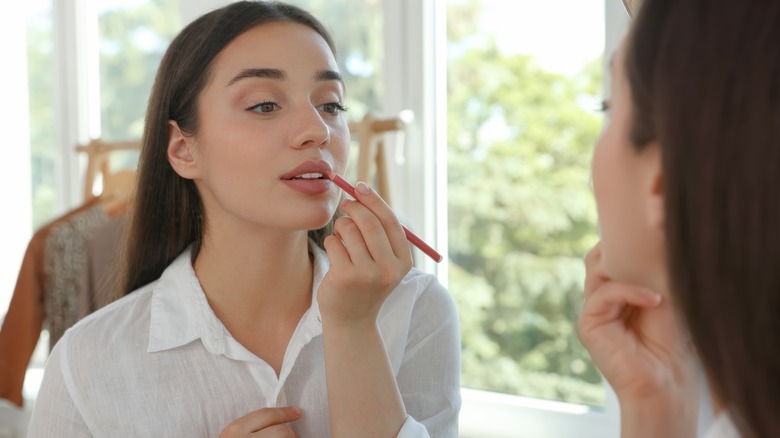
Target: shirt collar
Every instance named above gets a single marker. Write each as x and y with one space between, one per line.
181 314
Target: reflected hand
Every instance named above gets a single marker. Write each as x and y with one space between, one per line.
265 423
633 336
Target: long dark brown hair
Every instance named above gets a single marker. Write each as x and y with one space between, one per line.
705 84
167 214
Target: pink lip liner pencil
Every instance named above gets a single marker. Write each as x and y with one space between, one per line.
416 241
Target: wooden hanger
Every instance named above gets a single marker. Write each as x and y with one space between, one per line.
371 164
116 186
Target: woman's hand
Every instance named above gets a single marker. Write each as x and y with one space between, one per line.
264 423
369 255
634 338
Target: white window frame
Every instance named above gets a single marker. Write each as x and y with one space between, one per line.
15 166
76 93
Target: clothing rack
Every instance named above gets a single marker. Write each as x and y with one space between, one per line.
98 152
370 134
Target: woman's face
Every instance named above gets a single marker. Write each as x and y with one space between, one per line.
628 187
270 125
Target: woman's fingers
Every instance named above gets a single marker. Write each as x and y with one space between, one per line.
380 226
369 232
337 253
609 304
594 277
369 255
348 231
266 422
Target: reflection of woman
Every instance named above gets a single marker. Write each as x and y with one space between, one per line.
687 182
233 314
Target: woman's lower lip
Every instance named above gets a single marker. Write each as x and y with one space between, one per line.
309 186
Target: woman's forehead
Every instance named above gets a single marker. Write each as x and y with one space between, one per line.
282 45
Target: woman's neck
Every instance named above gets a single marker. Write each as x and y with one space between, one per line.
261 277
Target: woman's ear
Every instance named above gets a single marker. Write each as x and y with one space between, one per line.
180 152
654 185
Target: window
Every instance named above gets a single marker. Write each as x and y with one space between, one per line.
132 37
26 172
41 84
524 80
123 52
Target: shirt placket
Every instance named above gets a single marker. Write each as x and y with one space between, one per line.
308 328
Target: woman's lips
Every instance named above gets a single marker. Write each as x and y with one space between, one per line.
309 177
315 186
307 167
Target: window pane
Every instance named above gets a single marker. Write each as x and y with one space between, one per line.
133 35
523 81
40 65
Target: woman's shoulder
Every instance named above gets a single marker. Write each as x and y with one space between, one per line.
114 324
420 296
420 312
424 286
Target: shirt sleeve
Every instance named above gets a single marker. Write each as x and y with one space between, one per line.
429 376
55 413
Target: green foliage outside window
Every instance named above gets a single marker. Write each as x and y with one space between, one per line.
43 155
521 218
132 41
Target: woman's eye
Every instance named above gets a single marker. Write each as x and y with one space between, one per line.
333 108
264 107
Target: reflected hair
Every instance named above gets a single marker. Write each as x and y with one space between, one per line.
705 85
167 213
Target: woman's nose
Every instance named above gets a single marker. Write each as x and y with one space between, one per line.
312 130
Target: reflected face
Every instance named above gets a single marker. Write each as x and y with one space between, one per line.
271 123
626 184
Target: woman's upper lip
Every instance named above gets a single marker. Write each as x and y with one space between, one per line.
311 166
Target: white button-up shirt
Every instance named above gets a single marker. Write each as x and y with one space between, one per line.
159 363
722 427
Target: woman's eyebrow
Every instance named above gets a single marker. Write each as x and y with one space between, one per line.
281 75
261 73
328 75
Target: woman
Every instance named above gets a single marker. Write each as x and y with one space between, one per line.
234 319
687 183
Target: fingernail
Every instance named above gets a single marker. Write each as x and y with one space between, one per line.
653 295
363 188
296 410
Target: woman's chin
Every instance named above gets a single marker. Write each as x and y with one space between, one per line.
318 221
